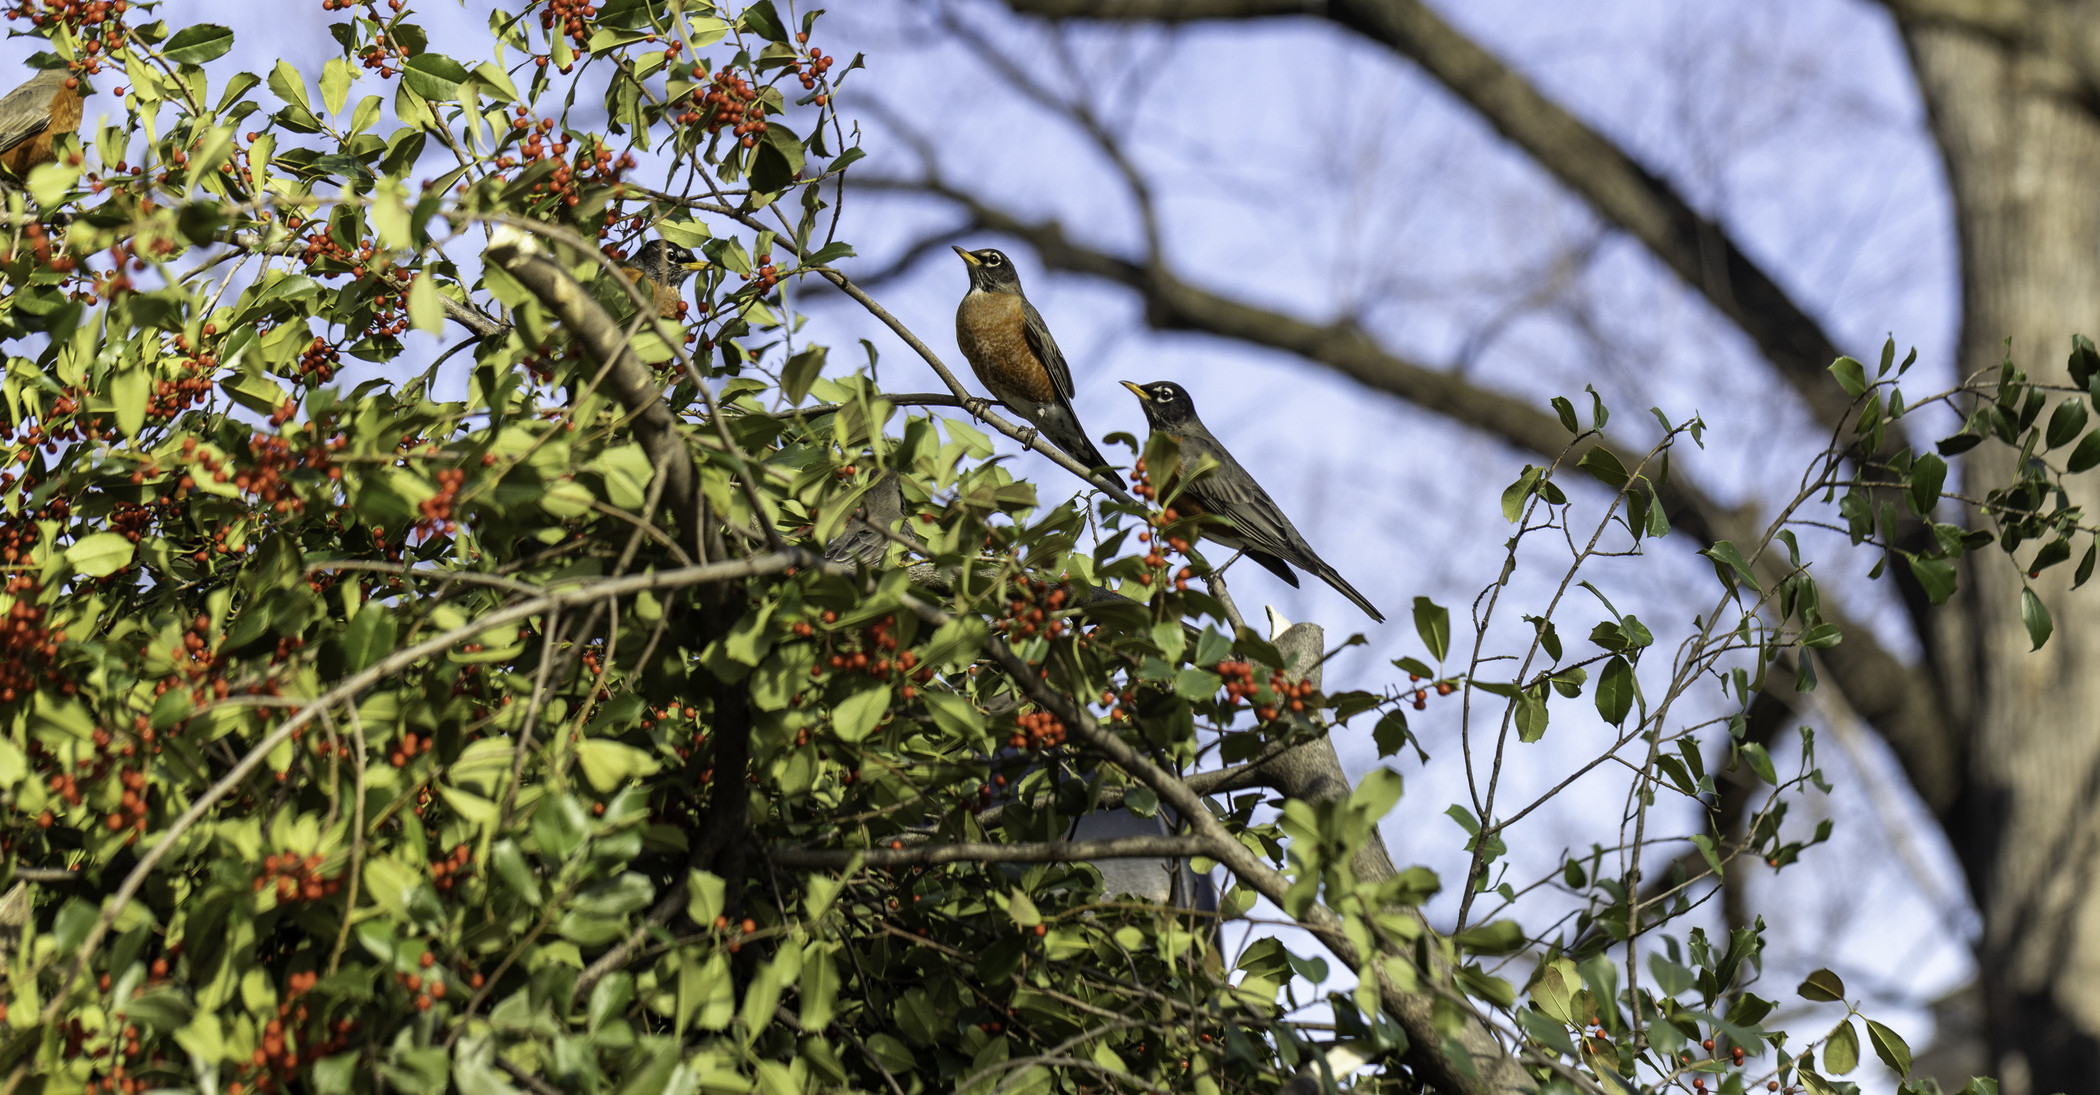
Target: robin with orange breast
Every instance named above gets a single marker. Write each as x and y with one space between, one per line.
1010 349
34 115
1247 519
659 270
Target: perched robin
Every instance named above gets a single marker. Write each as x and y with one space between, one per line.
659 269
32 116
1252 523
1013 355
883 507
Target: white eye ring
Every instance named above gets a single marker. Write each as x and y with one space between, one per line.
993 259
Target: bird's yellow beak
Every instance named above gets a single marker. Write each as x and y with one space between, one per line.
696 264
973 260
1136 391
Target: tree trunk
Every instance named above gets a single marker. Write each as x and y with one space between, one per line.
2023 160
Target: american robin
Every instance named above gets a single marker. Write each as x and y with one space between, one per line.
1252 523
659 269
1013 355
883 507
32 116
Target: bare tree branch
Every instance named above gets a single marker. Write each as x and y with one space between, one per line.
1620 190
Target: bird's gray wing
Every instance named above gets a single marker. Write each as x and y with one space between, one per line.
883 507
1045 347
1228 491
26 111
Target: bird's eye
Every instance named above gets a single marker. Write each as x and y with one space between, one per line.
994 259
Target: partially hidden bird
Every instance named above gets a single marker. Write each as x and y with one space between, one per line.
881 507
1249 521
659 269
1010 349
34 115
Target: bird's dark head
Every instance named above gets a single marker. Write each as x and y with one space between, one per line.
666 263
1165 402
991 271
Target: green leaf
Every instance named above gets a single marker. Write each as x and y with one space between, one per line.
1822 987
608 765
1615 690
800 372
1531 715
1433 624
100 554
1822 636
434 76
857 714
1888 1045
335 84
2065 423
1726 552
1935 576
1927 475
131 389
1566 411
368 638
1513 497
2086 455
1841 1051
2085 362
425 311
1761 763
1851 376
1497 938
2035 615
1604 464
194 45
286 83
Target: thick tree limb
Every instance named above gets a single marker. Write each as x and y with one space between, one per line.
1620 190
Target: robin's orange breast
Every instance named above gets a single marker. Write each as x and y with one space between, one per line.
64 108
991 330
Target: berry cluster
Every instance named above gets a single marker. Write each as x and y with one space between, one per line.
1271 696
447 872
1033 610
282 1051
873 651
27 643
131 810
318 362
1421 695
271 456
409 748
98 25
1037 730
193 384
767 276
426 989
814 71
436 510
729 101
296 878
573 17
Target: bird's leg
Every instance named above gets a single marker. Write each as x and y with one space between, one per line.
976 406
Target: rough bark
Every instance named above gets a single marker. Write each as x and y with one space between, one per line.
2021 159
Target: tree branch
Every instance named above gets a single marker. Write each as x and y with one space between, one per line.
1900 702
1051 851
1620 190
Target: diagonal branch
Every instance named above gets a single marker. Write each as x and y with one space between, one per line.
1897 700
1619 189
